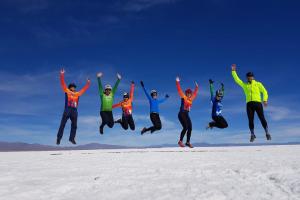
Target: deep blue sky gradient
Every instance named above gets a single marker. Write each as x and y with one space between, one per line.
152 41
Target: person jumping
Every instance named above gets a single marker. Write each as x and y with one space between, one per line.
253 90
187 99
126 106
107 99
71 105
216 114
154 109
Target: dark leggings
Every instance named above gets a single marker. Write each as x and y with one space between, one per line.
187 127
155 119
127 120
70 113
107 119
219 122
257 107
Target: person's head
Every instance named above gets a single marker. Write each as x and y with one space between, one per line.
107 89
154 94
125 96
188 92
72 87
250 76
219 95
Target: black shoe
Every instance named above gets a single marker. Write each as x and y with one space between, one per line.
189 145
72 141
143 131
57 141
268 136
252 138
101 130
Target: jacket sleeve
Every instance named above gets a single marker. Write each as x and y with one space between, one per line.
116 86
131 91
147 94
223 90
84 89
100 87
211 87
63 83
180 92
264 92
237 79
195 92
162 100
117 105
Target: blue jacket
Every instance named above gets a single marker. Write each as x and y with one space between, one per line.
216 108
154 103
217 105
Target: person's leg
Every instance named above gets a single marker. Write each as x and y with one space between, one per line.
156 122
261 116
124 122
131 122
220 122
63 122
110 119
250 114
183 122
189 130
104 121
73 117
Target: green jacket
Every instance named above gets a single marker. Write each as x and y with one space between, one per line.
107 101
252 90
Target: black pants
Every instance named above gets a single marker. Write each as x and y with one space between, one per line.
72 114
127 120
257 107
219 122
155 119
187 126
107 119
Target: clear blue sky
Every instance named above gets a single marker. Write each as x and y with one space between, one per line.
150 40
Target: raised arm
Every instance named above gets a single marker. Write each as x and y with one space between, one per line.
100 87
223 88
212 90
145 91
180 92
164 99
84 89
195 91
131 90
235 76
62 81
117 105
116 84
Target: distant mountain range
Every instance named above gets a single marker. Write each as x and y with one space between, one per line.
20 146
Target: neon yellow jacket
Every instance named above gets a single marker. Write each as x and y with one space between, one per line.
252 90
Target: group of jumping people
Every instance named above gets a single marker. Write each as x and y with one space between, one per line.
252 89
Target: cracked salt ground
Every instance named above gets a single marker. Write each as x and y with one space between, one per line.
271 172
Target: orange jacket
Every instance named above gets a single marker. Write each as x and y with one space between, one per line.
73 97
126 105
187 101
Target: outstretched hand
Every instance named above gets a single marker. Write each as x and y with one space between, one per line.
196 84
177 79
211 81
142 84
62 71
88 80
222 84
132 82
99 75
119 76
233 67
